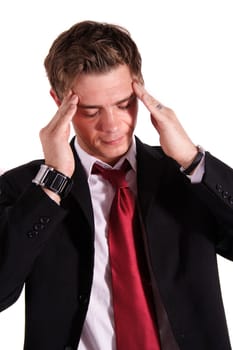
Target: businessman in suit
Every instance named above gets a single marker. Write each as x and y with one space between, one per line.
54 222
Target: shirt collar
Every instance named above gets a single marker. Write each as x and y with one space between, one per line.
87 160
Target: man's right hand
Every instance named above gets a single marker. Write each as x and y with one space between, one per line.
55 137
55 140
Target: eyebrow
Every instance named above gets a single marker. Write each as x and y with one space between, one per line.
84 106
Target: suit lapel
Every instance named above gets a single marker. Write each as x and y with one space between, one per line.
80 190
150 168
149 173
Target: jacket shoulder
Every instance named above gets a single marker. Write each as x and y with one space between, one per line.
17 178
155 151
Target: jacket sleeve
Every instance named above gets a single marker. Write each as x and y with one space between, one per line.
27 220
216 191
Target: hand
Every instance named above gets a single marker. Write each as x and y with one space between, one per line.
173 138
55 137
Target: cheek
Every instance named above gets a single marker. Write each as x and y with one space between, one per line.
128 121
78 125
133 114
135 109
83 127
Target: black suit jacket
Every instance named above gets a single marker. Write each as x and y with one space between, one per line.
50 249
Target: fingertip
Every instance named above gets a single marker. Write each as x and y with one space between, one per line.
137 86
71 96
73 93
68 93
75 98
137 83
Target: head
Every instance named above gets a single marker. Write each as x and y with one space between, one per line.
98 62
90 47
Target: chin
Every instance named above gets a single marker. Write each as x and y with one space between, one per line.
113 157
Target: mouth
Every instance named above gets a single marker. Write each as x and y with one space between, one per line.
113 142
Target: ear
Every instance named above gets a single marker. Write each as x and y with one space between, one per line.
55 97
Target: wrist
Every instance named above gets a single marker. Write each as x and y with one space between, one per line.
188 168
54 196
187 156
52 180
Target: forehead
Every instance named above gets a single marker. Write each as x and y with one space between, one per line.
104 88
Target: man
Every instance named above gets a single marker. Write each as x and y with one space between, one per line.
55 213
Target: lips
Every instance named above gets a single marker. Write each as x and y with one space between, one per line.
114 141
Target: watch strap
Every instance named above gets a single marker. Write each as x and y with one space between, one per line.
53 180
195 162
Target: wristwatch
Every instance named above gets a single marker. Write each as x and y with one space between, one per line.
195 162
52 179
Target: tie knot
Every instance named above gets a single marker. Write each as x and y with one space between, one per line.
115 176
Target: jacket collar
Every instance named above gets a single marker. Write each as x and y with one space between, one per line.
150 170
80 190
149 173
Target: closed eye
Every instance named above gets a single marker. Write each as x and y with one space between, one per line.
89 113
127 104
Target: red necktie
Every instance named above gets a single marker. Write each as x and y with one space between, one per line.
134 324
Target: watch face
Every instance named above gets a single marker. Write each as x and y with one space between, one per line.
53 180
57 182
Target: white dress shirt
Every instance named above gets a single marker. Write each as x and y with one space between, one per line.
98 330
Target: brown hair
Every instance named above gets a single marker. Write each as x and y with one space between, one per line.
90 47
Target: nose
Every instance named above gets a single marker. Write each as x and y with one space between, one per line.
109 121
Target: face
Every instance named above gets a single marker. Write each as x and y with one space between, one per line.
106 114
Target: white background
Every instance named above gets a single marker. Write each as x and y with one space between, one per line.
187 64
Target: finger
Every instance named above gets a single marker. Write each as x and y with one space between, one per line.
149 101
68 106
66 111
